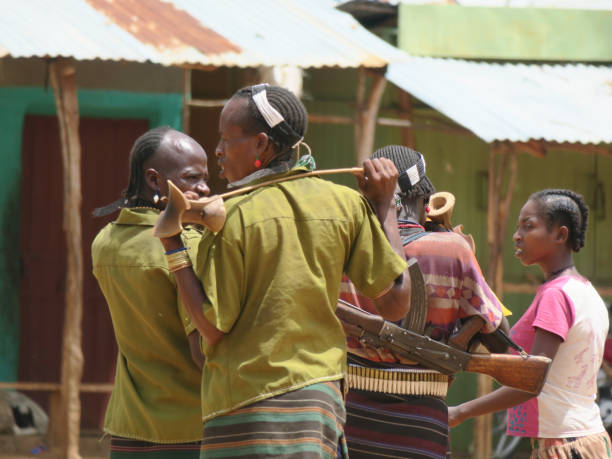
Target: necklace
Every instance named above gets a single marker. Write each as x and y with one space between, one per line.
140 202
556 273
408 223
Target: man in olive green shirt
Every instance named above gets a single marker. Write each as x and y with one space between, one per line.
265 287
155 403
272 288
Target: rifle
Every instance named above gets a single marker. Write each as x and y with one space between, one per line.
526 373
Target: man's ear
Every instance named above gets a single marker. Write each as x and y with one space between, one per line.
263 144
153 179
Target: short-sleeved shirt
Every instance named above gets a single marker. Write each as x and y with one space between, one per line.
156 395
272 279
571 308
455 286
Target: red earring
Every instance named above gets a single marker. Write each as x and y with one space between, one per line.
427 209
257 162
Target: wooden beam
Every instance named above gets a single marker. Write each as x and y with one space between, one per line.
371 108
533 148
359 102
405 103
186 100
55 387
63 79
497 219
207 103
367 114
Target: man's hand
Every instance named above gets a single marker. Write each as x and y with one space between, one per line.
378 183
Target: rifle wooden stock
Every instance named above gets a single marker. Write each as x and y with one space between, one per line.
523 373
527 374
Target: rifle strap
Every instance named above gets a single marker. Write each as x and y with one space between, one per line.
511 343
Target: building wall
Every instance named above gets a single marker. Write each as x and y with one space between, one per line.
106 90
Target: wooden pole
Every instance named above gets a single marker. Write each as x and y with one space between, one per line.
367 112
63 79
498 211
359 108
186 100
405 102
102 388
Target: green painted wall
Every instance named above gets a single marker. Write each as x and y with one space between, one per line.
15 103
505 33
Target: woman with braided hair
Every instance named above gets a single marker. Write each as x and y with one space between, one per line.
568 322
264 290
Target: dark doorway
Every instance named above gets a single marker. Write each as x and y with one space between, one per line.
105 147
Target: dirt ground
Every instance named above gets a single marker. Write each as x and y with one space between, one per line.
92 446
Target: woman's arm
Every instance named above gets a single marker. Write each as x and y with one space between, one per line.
192 295
546 344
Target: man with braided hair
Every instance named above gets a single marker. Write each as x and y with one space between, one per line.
567 322
265 287
155 404
407 414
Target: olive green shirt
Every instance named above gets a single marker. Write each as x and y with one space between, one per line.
156 395
272 278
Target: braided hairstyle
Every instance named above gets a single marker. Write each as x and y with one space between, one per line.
144 148
287 104
567 208
404 158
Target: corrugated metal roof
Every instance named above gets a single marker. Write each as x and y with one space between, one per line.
243 33
516 102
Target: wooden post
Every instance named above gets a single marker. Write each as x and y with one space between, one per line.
497 218
405 102
360 97
67 409
367 113
186 100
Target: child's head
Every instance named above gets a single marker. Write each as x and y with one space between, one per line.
552 223
564 208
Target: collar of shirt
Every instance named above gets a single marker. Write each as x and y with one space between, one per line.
145 216
268 173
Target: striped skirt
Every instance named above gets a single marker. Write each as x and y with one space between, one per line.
126 448
305 423
391 426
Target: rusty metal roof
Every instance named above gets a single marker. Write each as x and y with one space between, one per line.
242 33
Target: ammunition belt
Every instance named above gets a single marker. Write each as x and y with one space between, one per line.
392 381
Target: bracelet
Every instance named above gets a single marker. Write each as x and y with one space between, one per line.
178 260
177 267
170 252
